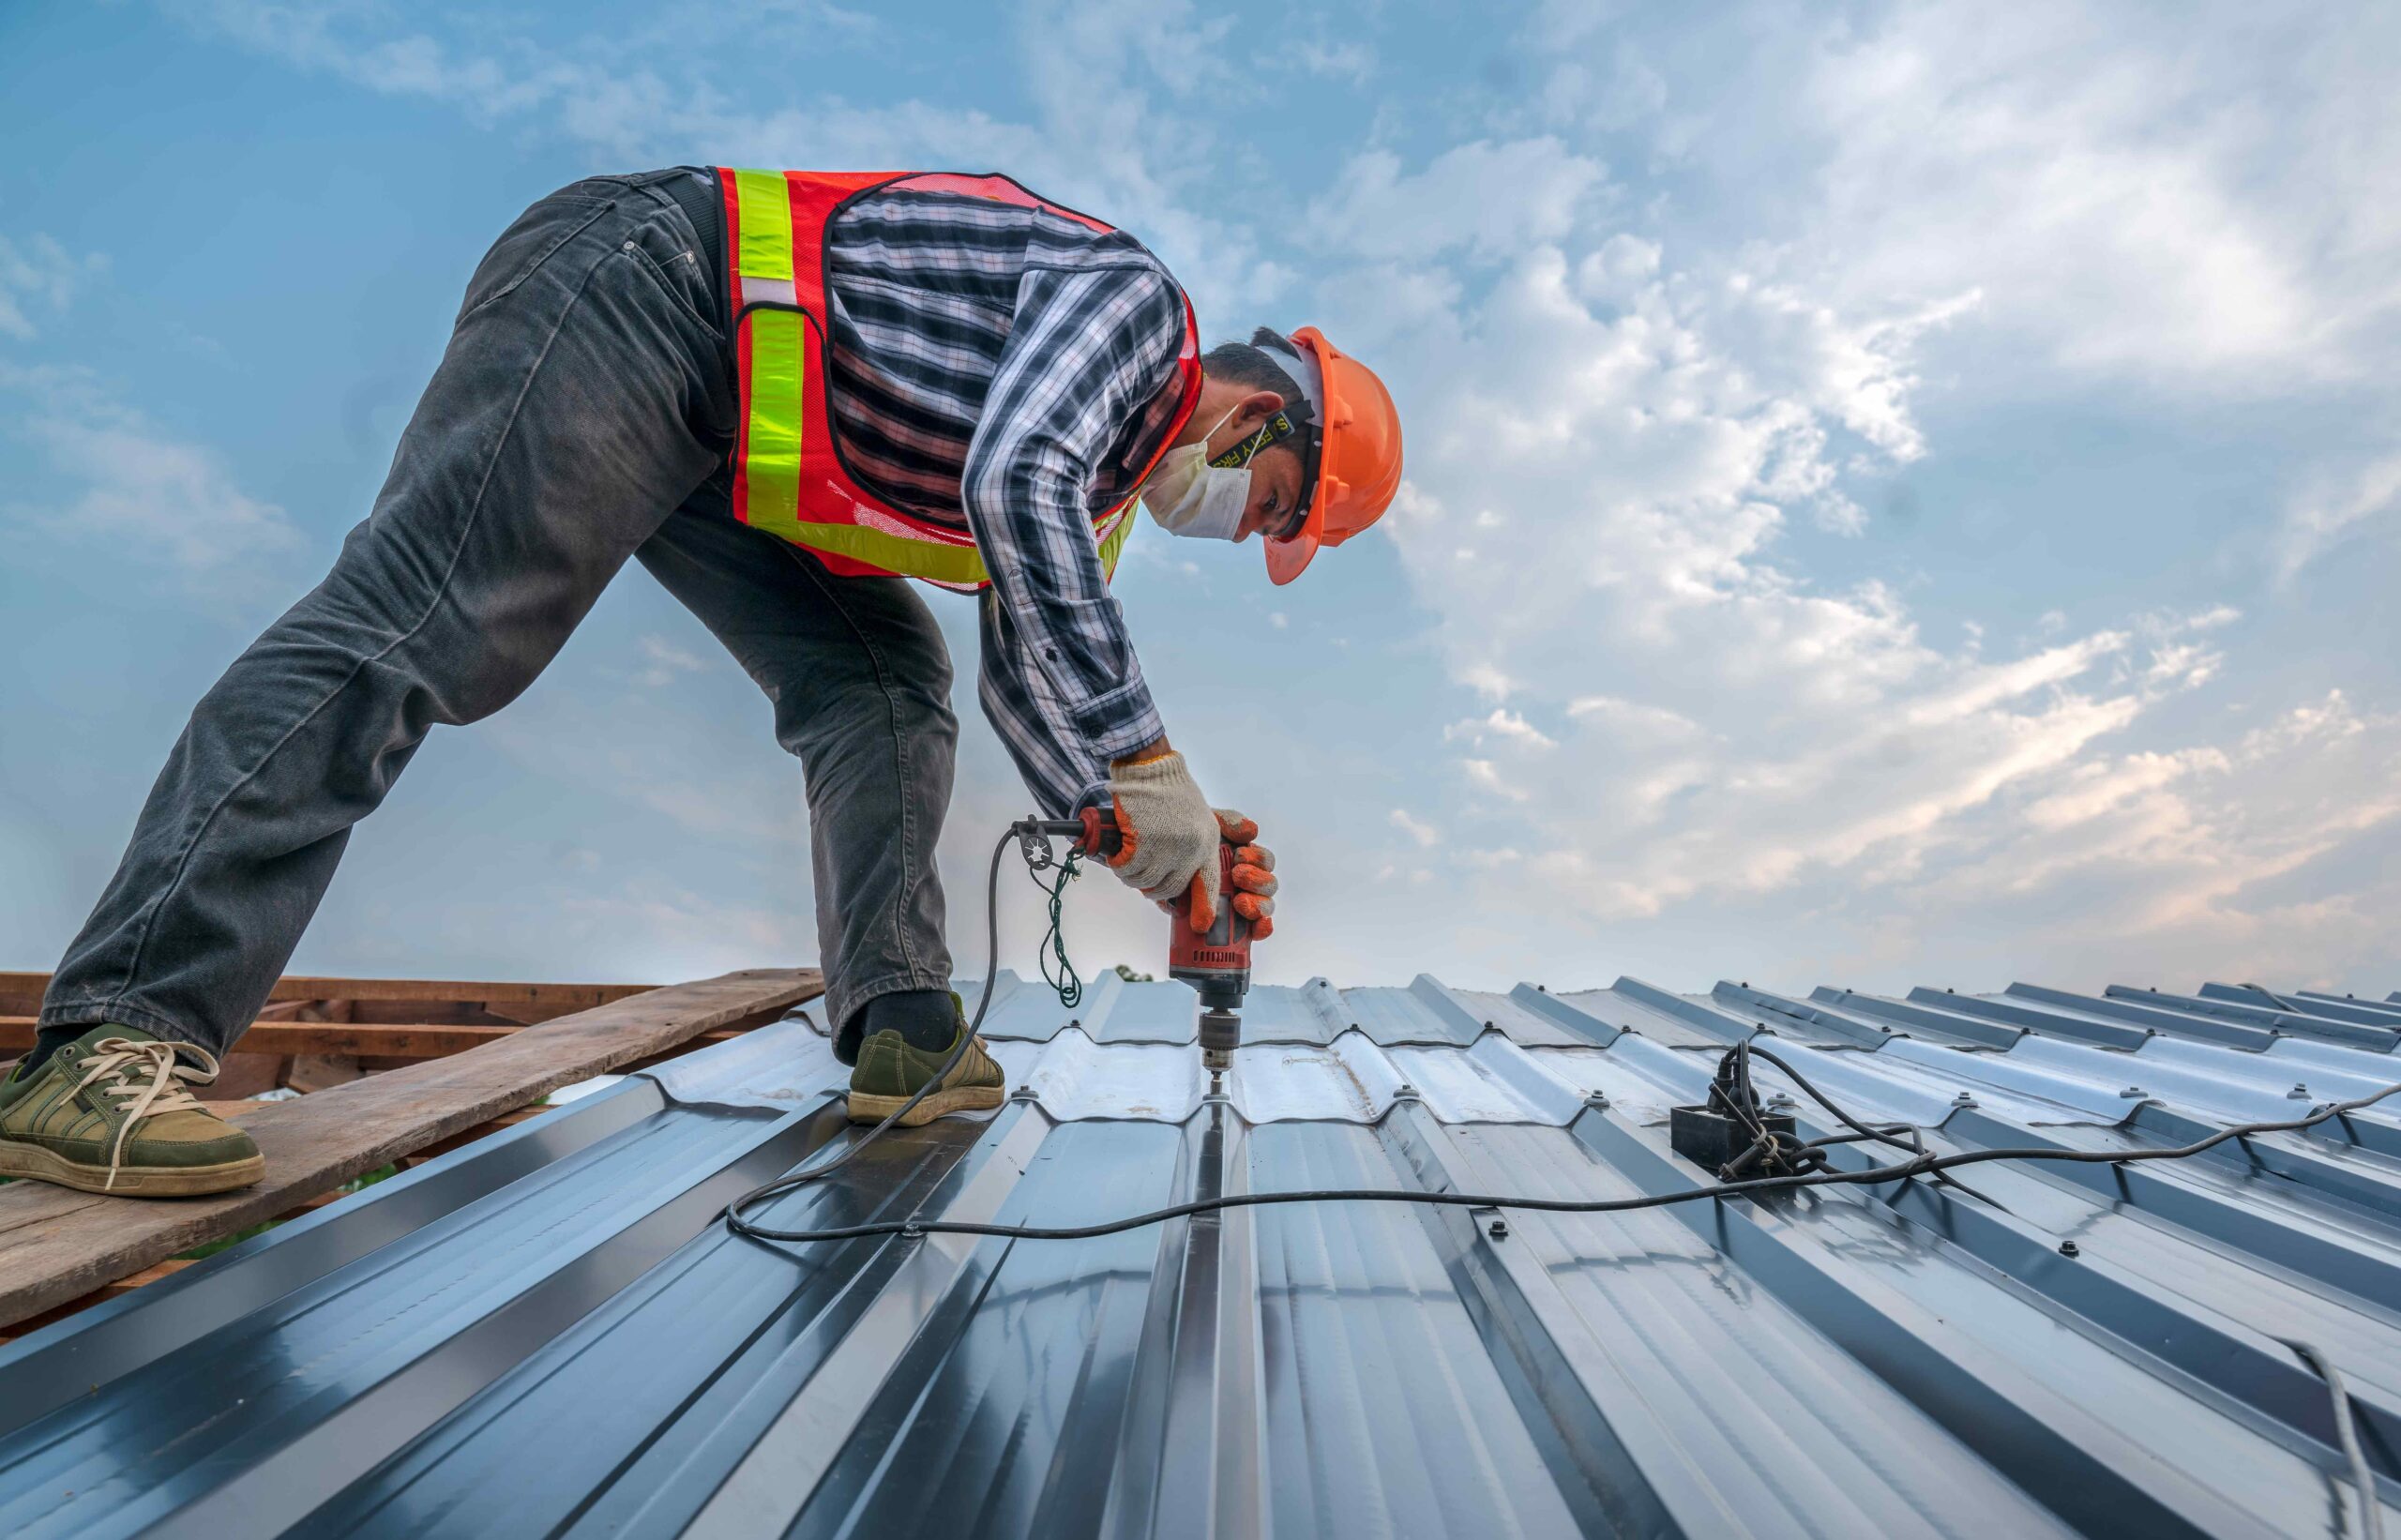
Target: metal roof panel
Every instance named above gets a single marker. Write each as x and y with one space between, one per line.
549 1333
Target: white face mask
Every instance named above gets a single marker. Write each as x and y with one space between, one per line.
1189 496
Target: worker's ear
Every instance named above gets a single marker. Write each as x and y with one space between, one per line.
1256 408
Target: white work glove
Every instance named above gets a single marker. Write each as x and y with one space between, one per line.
1169 834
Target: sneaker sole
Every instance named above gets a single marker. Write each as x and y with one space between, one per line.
131 1181
964 1098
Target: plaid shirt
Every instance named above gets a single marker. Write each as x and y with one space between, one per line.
1007 370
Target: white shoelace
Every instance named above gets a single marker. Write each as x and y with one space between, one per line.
148 1081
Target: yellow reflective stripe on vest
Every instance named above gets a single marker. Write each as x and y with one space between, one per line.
953 566
771 457
1115 544
779 357
763 201
904 555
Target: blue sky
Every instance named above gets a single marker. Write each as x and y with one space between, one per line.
1899 493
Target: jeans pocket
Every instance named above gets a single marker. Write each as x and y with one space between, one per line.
533 240
676 269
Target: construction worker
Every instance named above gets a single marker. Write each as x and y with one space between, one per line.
783 393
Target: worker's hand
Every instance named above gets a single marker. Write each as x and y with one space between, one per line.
1169 834
1254 875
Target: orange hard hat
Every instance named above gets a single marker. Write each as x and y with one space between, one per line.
1358 465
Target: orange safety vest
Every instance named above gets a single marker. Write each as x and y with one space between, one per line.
788 477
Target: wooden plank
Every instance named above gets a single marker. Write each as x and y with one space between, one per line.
151 1274
574 997
57 1244
123 1286
317 1071
241 1076
566 997
286 1038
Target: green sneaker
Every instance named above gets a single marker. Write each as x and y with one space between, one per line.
889 1072
113 1111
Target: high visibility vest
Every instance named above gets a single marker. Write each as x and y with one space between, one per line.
788 477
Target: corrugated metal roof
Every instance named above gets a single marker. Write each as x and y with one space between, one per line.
546 1333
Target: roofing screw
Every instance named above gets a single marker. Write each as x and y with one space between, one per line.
2068 1248
1499 1230
1403 1089
1023 1093
1963 1099
1782 1099
2298 1093
1597 1099
2133 1090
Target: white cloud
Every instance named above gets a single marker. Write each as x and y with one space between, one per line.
2329 514
2225 862
1492 199
37 271
1486 777
1503 723
1424 834
135 488
1094 139
126 482
663 660
2112 181
1646 431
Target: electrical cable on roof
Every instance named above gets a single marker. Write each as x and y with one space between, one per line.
1730 1087
2280 1002
2347 1430
733 1214
1869 1176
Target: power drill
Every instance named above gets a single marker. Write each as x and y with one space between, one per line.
1216 961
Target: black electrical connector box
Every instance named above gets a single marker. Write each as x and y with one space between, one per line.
1710 1139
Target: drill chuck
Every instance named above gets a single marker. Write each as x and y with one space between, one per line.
1220 1035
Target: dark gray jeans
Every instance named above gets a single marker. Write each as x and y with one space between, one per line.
581 414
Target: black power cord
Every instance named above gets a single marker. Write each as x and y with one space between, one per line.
2346 1433
1032 839
733 1219
1875 1176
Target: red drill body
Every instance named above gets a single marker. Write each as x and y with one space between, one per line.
1216 961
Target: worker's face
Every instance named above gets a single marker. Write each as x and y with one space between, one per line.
1274 508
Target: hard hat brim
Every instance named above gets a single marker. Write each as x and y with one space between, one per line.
1287 559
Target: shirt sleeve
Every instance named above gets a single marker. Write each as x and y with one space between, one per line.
1087 352
1052 757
